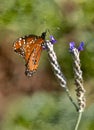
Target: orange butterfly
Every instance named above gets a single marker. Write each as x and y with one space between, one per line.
30 48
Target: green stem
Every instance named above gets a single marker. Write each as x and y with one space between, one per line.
69 95
78 121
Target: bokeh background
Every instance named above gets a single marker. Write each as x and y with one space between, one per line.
39 103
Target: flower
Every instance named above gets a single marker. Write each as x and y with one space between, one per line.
80 48
72 46
52 39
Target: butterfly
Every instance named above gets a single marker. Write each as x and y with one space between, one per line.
30 48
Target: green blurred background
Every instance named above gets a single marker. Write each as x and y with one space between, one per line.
39 103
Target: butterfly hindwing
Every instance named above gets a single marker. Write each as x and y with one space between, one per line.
18 46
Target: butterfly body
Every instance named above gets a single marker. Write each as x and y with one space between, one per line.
30 48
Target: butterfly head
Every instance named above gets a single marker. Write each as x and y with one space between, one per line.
43 35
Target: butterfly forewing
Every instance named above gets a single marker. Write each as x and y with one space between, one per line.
31 42
33 62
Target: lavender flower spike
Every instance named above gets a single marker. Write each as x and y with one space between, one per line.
56 67
80 91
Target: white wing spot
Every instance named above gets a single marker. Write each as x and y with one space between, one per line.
20 39
20 43
28 46
24 41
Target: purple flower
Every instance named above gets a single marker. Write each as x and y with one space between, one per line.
72 46
80 48
52 39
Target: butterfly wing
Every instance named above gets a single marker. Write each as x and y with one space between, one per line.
33 61
18 46
29 47
23 45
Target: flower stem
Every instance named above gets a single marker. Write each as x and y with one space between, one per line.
78 121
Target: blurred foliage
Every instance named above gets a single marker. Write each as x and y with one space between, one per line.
45 111
29 16
67 21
